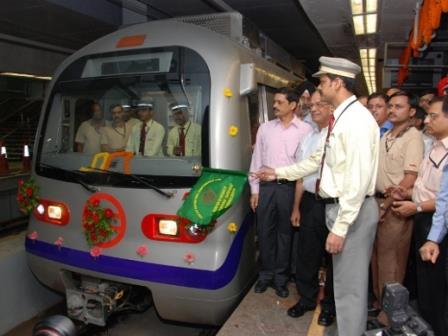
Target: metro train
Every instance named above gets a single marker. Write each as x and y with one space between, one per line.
228 80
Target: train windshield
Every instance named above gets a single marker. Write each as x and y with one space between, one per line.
141 113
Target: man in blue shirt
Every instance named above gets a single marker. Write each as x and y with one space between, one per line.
377 105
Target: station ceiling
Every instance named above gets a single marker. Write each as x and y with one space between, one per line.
306 28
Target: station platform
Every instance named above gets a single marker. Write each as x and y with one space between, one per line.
265 314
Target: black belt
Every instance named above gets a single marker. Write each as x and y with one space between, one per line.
380 195
279 181
331 200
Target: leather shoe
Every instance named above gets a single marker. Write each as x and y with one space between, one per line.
282 291
261 286
326 318
299 309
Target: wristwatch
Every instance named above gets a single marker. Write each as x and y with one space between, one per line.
419 207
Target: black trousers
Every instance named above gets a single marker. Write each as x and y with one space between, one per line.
431 284
274 230
312 235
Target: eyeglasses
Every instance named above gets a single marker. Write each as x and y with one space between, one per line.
432 116
319 104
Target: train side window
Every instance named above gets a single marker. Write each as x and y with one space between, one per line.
254 115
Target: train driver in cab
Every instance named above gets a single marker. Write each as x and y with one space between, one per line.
184 139
147 136
115 137
88 135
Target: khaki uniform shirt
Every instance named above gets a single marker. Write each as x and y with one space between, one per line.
153 142
89 136
115 137
192 139
398 156
351 162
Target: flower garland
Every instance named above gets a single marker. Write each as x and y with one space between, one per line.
27 196
97 223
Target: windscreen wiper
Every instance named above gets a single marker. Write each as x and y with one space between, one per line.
136 178
76 173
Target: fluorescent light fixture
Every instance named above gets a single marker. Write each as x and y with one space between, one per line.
371 23
372 53
358 22
357 6
371 5
363 53
15 74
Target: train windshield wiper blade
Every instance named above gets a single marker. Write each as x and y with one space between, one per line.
78 179
136 178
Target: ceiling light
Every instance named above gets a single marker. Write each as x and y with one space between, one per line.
363 53
357 6
372 53
358 22
371 23
15 74
371 5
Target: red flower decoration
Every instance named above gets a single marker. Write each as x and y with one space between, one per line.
109 213
97 223
29 191
33 235
189 258
142 250
95 251
27 196
58 242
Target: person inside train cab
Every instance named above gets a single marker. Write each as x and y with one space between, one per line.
88 135
115 137
377 105
147 136
184 139
347 167
276 145
128 115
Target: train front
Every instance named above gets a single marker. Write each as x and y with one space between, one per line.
105 231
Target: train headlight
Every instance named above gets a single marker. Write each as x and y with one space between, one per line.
168 227
55 212
40 209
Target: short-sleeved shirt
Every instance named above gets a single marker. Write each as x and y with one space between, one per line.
132 122
89 136
115 137
397 156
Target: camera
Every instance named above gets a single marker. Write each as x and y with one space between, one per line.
404 321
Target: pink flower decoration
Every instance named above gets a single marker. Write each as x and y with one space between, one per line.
58 242
33 235
142 250
189 258
95 251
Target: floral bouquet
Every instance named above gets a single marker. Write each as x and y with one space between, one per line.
27 196
97 223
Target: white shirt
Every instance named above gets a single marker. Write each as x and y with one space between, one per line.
308 146
351 162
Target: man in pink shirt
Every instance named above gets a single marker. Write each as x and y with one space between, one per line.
276 146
